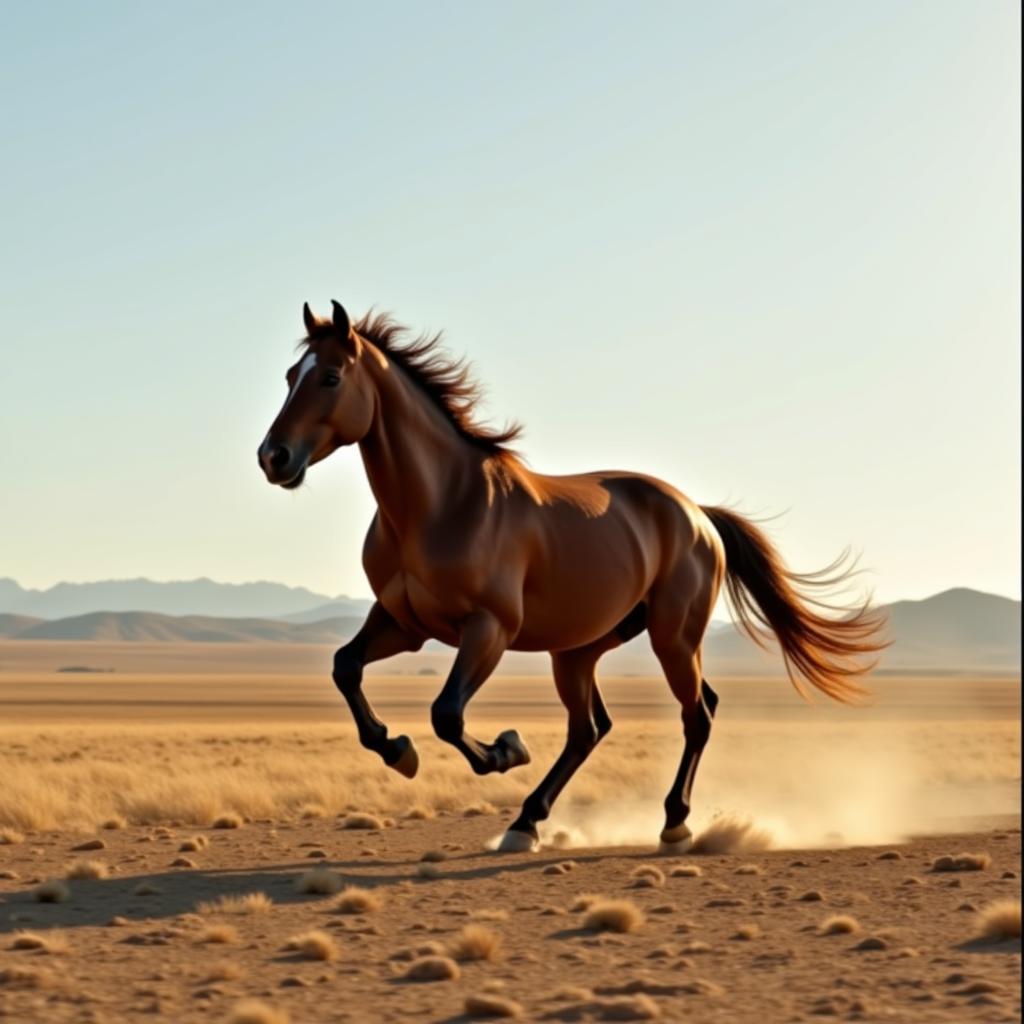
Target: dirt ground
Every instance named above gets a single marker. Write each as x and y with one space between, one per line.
740 941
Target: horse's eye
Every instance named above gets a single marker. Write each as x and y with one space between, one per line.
331 380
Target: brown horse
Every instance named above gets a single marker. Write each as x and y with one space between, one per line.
471 548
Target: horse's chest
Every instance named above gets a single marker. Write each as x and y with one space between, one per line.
424 606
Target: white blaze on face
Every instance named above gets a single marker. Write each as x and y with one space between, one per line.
307 364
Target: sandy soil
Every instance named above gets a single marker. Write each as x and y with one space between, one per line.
724 946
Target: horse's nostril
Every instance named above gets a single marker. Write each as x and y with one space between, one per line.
280 457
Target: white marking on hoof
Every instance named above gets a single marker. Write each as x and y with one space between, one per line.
517 842
676 840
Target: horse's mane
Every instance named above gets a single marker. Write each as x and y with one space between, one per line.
445 379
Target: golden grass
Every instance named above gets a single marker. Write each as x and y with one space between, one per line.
53 891
613 916
114 770
252 1011
115 821
227 820
313 945
487 1004
219 935
419 813
475 942
318 882
249 903
309 812
732 835
10 837
87 870
839 924
48 942
432 968
354 900
962 862
479 810
999 921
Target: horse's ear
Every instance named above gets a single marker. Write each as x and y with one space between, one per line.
309 319
340 319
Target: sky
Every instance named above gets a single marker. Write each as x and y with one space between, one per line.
766 251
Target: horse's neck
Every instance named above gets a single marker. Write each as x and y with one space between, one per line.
415 460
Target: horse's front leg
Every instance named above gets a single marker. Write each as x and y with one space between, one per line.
380 637
481 645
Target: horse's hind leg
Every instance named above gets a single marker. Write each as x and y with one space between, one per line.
683 671
380 637
588 722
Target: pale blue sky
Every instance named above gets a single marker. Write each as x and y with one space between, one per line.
768 251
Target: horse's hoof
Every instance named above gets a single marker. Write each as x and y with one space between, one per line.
407 762
675 841
514 841
513 749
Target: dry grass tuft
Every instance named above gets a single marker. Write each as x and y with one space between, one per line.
419 813
252 1011
613 916
433 968
10 837
115 821
87 869
584 902
749 869
486 914
635 1007
250 903
357 901
313 945
365 821
999 921
732 835
224 970
308 812
479 810
839 924
318 882
686 871
51 892
146 889
19 977
219 935
228 820
475 942
748 932
647 876
486 1004
962 862
434 857
194 844
50 942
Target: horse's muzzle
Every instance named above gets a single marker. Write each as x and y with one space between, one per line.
282 465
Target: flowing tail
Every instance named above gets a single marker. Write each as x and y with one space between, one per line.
828 651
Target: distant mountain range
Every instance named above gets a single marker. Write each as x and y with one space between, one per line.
178 597
958 630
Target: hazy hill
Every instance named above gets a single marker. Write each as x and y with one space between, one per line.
177 597
956 631
151 627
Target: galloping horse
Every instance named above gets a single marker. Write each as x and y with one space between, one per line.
470 547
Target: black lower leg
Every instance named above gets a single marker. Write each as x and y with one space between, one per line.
373 733
696 730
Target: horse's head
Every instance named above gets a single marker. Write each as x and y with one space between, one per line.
330 401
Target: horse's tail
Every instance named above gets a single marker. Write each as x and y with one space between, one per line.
825 650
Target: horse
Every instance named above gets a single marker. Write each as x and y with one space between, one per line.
470 547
